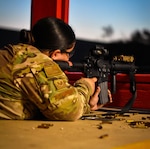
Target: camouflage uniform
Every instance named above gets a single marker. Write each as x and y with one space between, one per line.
31 82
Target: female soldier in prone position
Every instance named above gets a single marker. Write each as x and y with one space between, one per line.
31 83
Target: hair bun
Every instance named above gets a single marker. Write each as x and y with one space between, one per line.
26 37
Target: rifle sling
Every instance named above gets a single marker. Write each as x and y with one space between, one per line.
129 104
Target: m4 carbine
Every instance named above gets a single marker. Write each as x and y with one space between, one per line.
97 64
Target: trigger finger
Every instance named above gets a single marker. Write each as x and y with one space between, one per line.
110 96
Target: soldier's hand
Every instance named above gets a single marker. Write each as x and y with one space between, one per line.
70 63
94 99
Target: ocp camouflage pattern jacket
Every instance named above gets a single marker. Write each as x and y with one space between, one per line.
31 83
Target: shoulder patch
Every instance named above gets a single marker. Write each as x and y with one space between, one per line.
51 70
59 84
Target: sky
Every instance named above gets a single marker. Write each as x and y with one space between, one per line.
15 14
98 20
109 19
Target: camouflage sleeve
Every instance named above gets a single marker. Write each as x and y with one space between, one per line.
46 85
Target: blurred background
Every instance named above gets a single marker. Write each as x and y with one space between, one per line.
121 26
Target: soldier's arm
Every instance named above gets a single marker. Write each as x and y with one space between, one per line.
47 87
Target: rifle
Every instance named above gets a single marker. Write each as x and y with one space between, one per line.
98 64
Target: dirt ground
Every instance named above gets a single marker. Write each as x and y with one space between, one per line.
98 131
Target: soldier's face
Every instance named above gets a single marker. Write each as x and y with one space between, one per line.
62 55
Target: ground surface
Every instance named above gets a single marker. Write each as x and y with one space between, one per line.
104 133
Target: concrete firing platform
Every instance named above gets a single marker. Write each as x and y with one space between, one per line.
81 134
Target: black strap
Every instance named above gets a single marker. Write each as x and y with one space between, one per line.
129 104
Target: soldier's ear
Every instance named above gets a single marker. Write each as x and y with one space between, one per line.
55 54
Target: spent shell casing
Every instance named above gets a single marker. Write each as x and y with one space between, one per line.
103 136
